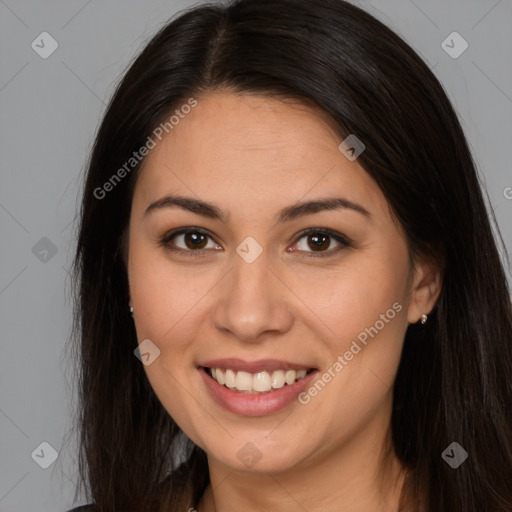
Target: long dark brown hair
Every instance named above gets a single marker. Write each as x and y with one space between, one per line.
454 381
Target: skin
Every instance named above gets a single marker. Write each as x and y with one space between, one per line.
252 156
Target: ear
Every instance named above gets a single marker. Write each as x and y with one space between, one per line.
426 284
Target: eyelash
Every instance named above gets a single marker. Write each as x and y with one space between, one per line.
344 241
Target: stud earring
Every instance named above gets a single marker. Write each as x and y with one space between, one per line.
131 310
423 319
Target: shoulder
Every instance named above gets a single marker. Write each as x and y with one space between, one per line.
84 508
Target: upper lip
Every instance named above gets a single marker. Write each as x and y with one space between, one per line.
260 365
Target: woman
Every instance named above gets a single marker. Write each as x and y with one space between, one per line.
289 294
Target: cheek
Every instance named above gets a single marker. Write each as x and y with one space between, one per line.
361 358
365 310
358 297
165 294
166 301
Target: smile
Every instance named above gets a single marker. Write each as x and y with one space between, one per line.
255 388
256 383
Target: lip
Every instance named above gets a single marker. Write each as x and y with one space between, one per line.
254 405
260 365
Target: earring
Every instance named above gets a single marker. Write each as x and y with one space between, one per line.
131 310
423 319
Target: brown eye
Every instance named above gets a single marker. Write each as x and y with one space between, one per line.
195 240
189 241
320 241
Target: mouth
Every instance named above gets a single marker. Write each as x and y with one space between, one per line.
258 383
255 388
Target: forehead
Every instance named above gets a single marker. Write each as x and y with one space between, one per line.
244 150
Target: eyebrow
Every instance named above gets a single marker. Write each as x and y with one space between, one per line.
289 213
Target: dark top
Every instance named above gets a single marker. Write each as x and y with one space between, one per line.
84 508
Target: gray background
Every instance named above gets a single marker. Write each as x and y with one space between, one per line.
50 109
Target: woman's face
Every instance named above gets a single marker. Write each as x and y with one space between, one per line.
249 287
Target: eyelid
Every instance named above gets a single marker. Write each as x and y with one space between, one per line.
343 240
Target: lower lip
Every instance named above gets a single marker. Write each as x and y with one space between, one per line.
255 405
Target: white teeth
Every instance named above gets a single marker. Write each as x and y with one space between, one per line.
289 376
261 382
243 381
278 379
219 376
301 374
230 379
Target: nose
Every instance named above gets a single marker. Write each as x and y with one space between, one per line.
253 303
